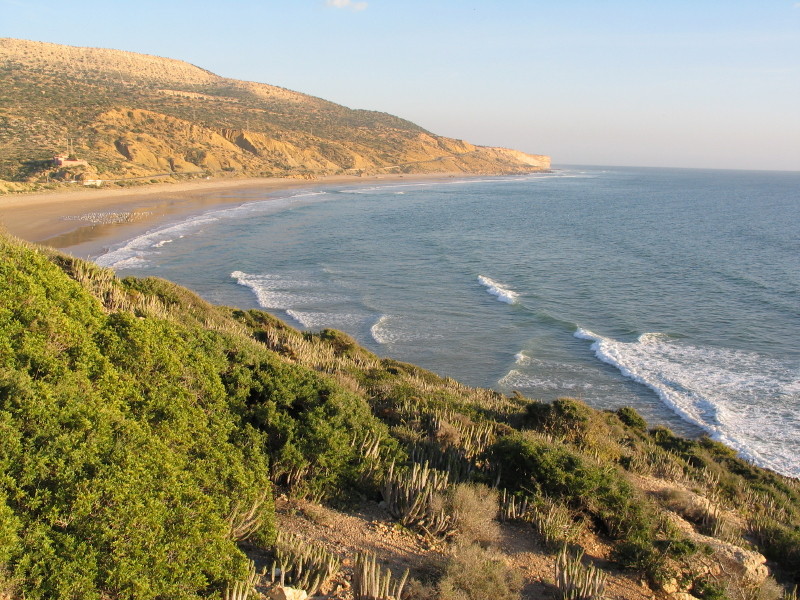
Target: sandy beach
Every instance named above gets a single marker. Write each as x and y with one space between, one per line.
83 221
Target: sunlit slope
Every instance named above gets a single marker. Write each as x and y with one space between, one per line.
131 115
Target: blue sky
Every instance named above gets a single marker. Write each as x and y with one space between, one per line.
677 84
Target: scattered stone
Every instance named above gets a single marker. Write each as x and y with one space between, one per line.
671 586
683 596
287 593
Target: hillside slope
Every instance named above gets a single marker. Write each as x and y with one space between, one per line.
144 434
133 115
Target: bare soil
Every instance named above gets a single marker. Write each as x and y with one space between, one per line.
369 528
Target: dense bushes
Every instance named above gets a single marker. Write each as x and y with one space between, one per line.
132 446
121 460
310 423
531 464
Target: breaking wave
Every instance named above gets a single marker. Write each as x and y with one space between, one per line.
503 294
731 394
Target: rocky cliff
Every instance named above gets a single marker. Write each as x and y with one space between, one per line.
134 115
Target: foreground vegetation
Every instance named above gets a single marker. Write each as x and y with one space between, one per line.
144 434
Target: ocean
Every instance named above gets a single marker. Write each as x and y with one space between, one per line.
673 291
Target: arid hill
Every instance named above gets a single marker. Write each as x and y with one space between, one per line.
133 115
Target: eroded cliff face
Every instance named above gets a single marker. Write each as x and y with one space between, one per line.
142 142
134 115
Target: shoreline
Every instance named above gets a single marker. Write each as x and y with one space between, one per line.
84 221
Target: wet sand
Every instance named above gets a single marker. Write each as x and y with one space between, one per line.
84 221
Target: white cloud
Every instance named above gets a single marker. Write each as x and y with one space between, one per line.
346 4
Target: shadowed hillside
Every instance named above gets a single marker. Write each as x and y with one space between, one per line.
133 115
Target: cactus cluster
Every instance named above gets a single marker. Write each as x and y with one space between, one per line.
413 497
575 581
244 521
717 524
301 564
658 462
450 460
369 444
554 522
473 437
242 589
370 584
760 503
288 474
512 508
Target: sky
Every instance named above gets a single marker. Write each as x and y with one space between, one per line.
676 83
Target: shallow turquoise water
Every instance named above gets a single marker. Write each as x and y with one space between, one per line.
674 291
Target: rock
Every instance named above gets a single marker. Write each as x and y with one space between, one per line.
683 596
671 586
286 593
729 558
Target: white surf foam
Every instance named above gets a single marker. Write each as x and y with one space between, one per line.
516 379
143 245
503 294
133 253
394 329
322 320
283 293
746 400
380 330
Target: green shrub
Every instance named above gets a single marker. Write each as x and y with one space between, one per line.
121 459
564 417
778 542
559 472
641 555
631 418
533 464
574 422
9 532
309 422
708 590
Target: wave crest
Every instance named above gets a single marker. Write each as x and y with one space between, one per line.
503 294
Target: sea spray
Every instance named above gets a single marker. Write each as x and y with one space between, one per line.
263 288
134 253
286 292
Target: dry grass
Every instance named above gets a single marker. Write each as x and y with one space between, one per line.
475 573
475 508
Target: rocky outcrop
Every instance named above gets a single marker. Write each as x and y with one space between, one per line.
722 558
